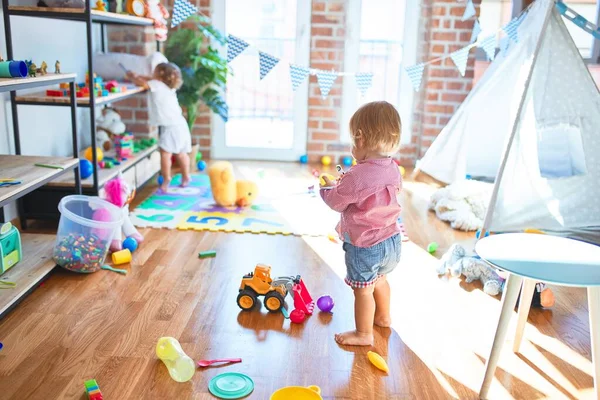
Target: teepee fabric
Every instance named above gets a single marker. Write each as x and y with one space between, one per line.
556 126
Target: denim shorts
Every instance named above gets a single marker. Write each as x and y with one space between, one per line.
364 265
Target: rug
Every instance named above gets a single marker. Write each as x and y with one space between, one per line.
286 206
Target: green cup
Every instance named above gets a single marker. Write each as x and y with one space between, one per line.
5 69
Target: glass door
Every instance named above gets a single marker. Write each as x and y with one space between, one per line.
267 119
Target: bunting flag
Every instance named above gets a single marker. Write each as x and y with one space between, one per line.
469 10
504 44
476 31
512 27
182 9
364 81
460 58
488 45
326 79
235 46
415 74
298 75
266 63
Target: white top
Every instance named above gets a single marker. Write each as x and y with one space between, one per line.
164 107
543 257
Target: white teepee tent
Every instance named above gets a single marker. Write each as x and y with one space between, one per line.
533 124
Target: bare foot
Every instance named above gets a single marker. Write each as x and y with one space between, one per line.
354 338
383 322
165 185
185 182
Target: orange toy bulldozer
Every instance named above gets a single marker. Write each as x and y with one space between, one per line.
260 283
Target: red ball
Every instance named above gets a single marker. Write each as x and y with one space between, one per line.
297 316
315 173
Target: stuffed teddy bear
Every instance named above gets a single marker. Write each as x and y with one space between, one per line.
118 192
157 12
108 124
226 190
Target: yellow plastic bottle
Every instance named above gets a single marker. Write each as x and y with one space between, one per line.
180 366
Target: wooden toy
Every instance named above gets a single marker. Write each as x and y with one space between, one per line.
10 247
93 390
378 361
207 254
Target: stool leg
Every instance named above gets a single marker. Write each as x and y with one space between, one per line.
524 306
509 299
594 306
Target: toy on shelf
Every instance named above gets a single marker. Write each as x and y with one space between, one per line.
297 393
10 247
121 257
325 303
86 168
43 69
13 69
100 6
124 145
57 67
180 366
93 390
108 126
226 190
136 7
326 161
130 244
88 154
297 316
32 70
118 192
156 11
378 361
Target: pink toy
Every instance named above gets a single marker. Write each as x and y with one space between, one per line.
102 215
111 84
297 316
157 12
325 303
206 363
302 299
118 192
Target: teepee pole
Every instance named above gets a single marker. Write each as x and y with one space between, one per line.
494 198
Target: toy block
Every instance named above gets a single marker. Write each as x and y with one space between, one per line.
54 93
105 93
64 85
207 254
90 383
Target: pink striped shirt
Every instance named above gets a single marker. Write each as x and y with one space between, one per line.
366 198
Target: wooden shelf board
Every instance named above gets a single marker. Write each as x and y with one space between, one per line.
36 264
79 14
104 175
7 84
37 98
22 168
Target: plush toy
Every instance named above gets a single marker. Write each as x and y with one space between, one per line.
108 124
118 192
157 12
226 190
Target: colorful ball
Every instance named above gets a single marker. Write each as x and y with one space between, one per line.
304 159
432 247
354 161
347 161
201 165
402 170
325 303
297 316
99 154
160 180
326 160
199 156
130 243
85 169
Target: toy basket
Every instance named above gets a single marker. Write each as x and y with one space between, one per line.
86 227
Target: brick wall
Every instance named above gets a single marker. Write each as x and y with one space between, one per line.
443 88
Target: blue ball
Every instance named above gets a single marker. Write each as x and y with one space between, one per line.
347 161
201 165
304 159
131 244
86 168
160 180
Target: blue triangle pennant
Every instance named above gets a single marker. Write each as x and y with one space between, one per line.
469 10
415 74
364 81
488 45
326 79
182 9
460 58
298 75
266 62
235 46
476 31
512 28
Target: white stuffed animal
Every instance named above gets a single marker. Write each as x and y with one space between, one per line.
457 262
108 124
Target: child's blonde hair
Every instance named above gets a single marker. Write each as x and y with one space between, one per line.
378 126
170 74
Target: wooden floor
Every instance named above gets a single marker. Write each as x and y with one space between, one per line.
105 325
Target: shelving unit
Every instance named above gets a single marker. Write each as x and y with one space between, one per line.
36 261
42 203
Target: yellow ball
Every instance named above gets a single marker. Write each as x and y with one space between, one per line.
99 154
402 170
326 160
353 161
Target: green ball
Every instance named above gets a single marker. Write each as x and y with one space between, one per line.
199 156
432 247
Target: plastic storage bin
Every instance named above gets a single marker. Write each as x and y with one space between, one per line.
87 225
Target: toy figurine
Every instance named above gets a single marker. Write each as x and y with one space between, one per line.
57 67
157 12
32 69
43 68
100 6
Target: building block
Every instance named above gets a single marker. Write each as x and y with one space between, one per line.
207 254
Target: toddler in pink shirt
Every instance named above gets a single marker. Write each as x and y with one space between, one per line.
366 197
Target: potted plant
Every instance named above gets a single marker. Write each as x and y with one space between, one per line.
203 69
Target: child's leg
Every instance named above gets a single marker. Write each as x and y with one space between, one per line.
165 169
382 303
364 311
184 163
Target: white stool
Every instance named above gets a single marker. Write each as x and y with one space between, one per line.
529 258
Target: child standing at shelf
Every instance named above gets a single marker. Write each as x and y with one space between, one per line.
165 112
366 197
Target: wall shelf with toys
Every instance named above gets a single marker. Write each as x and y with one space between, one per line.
43 202
10 84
